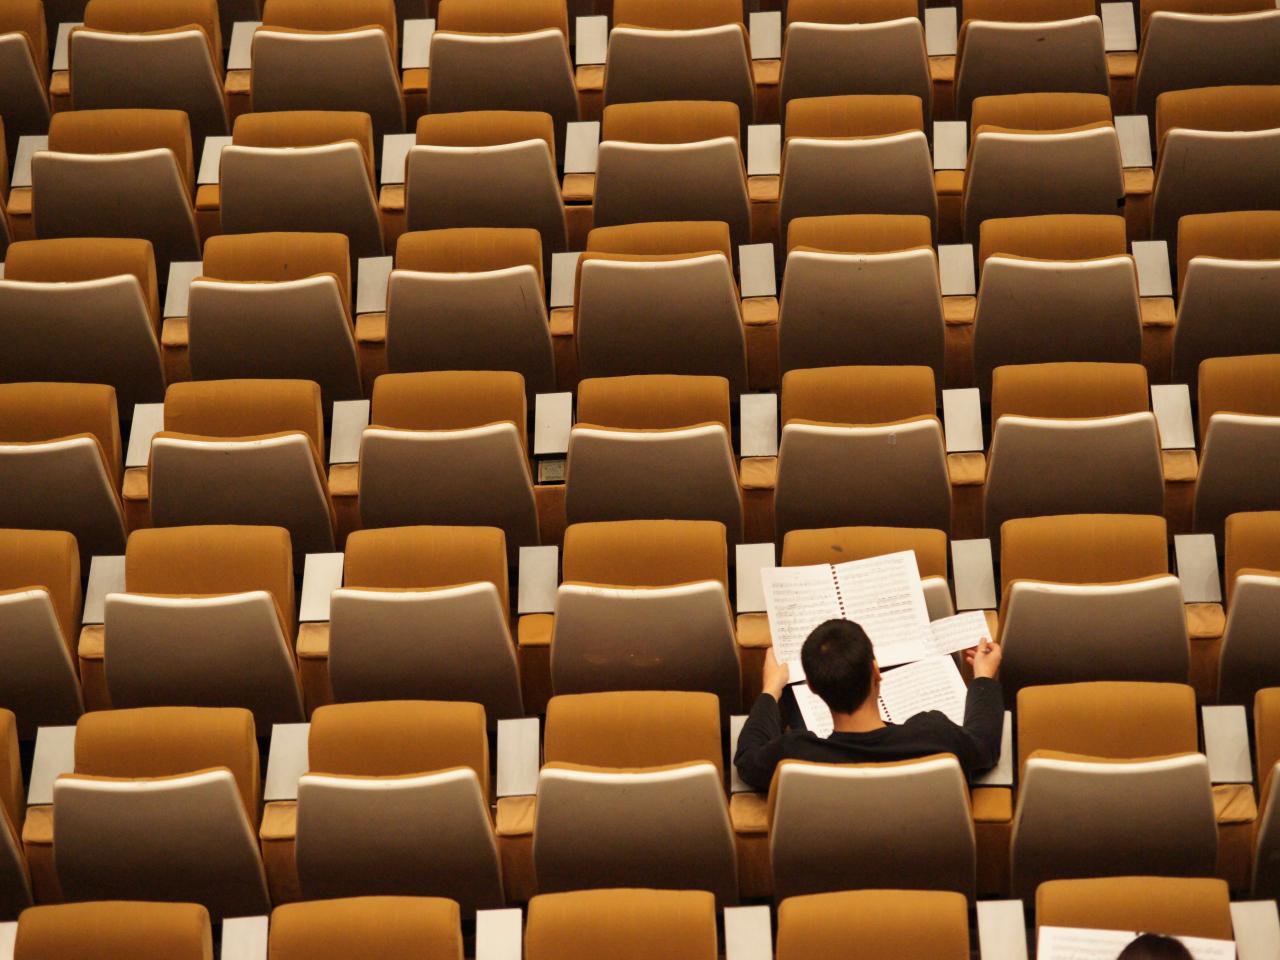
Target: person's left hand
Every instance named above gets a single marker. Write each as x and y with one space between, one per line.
776 675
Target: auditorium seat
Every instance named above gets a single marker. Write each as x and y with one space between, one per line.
836 47
40 621
394 928
645 606
861 445
166 54
631 794
1266 858
1249 658
449 447
1122 758
679 50
855 154
631 431
660 298
15 885
1228 285
162 805
1036 153
227 592
397 803
1239 412
24 71
60 463
275 306
1071 438
861 289
1089 597
1055 288
857 826
503 56
672 160
470 298
83 311
1218 149
1175 906
488 168
621 924
118 173
302 171
243 452
887 924
328 55
424 614
114 930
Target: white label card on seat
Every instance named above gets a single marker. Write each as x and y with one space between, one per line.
955 270
539 580
416 53
974 573
1001 775
372 274
950 144
499 934
1002 930
962 420
591 41
759 424
1256 926
940 31
764 149
55 755
181 273
1151 258
766 35
552 421
748 933
564 276
519 757
28 147
395 154
106 575
62 47
1134 134
350 417
321 575
1171 403
244 938
736 783
148 420
750 559
1119 34
581 145
1197 559
1226 744
756 276
211 160
240 52
288 760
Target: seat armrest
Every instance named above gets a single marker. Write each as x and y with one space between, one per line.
756 276
552 422
106 575
766 35
581 146
244 938
1257 929
962 420
1151 257
55 755
240 50
287 762
748 933
950 144
519 757
415 41
1171 404
1196 555
974 574
591 41
1119 32
1002 930
564 270
1226 744
499 934
372 274
1001 775
940 31
321 575
764 150
27 148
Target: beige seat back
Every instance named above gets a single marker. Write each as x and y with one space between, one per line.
1248 662
902 924
24 68
1227 309
829 59
623 924
473 72
115 930
707 63
1181 906
397 928
832 826
1206 171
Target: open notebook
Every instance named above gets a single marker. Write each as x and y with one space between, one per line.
1067 943
930 684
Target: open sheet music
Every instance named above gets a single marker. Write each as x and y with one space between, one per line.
1066 943
964 631
881 594
930 684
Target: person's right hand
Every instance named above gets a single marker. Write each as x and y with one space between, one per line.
985 659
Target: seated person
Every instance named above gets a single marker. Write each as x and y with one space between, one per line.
840 668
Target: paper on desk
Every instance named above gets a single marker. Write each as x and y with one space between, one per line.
964 631
1066 943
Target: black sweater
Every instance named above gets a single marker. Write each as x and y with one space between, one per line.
762 745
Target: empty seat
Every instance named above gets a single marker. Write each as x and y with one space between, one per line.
861 445
330 56
396 928
424 614
227 591
275 305
83 311
302 171
118 173
622 924
855 154
60 462
660 298
15 885
464 433
470 298
165 55
672 160
891 924
246 452
1248 660
1239 414
631 430
24 70
1266 726
1071 438
1089 597
645 606
162 806
1229 283
628 775
39 617
861 289
114 930
1176 906
396 803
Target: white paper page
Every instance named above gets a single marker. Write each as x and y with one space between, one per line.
884 596
961 632
797 599
1065 943
817 716
932 684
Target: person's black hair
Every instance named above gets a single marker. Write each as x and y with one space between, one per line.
837 659
1151 946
